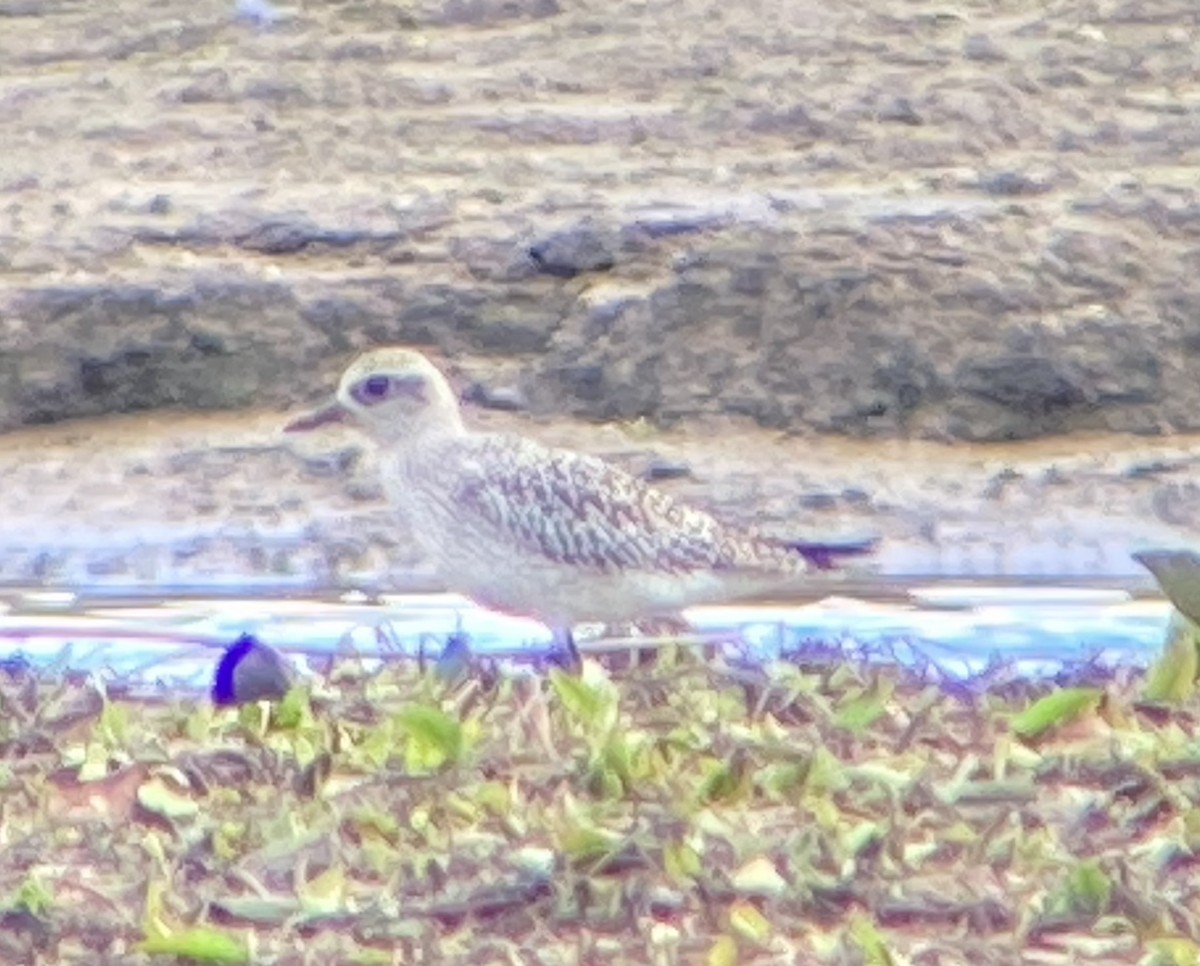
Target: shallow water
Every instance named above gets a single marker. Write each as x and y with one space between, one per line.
173 641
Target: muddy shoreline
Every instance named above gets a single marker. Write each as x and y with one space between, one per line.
213 499
748 250
874 222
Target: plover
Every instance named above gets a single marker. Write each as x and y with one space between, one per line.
551 534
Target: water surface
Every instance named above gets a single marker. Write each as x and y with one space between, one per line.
171 640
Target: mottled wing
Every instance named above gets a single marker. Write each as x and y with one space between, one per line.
579 510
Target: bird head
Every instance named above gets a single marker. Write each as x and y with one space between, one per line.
393 394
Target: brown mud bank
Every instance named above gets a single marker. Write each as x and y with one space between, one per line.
671 233
975 221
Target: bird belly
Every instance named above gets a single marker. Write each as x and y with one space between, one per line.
561 596
511 578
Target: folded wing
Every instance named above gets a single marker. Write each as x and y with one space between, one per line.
579 510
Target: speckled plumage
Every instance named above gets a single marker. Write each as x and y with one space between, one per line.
546 533
580 511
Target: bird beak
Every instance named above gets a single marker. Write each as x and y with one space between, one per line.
325 416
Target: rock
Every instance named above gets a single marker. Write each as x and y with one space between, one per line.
1013 184
212 86
335 463
900 110
573 251
482 12
784 346
125 348
280 237
658 469
502 398
792 121
494 259
1032 386
983 48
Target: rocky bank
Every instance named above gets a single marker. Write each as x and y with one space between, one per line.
738 228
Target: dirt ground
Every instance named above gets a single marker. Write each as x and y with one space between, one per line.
794 255
198 499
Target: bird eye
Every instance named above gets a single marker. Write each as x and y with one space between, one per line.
373 389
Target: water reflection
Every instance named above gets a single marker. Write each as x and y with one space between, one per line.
174 641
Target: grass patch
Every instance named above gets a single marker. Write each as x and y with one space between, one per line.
681 811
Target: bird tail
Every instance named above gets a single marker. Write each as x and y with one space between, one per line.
830 554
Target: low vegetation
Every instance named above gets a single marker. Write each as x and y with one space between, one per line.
679 809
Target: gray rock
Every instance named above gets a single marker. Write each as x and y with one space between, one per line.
900 110
479 12
1013 184
1032 386
658 469
760 322
984 48
794 121
581 248
503 398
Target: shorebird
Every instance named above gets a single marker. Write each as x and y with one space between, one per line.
558 536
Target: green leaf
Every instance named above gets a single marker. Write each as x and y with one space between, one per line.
377 746
583 844
1055 709
434 738
229 839
681 862
201 945
95 763
826 774
862 836
1089 889
1173 951
723 952
114 724
1172 678
603 782
372 822
325 894
726 779
870 942
857 714
494 797
33 898
592 705
611 769
748 922
293 710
